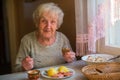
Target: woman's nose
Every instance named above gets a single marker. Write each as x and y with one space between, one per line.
48 25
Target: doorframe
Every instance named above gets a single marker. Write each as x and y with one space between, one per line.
14 9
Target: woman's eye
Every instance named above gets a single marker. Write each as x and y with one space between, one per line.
43 21
53 22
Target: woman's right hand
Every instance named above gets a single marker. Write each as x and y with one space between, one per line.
27 63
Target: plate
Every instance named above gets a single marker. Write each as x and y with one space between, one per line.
97 58
44 74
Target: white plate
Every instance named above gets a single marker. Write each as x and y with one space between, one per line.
105 58
44 74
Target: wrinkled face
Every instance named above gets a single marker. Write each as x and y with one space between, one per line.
48 25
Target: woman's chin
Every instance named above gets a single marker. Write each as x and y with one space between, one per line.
47 37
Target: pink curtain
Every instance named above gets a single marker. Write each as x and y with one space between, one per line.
91 24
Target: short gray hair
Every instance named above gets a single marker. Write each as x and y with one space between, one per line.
48 7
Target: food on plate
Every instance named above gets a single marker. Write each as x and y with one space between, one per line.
59 72
99 59
52 72
96 59
63 69
90 58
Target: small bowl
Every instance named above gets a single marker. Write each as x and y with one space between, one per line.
97 58
33 75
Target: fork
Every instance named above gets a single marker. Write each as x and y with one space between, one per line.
114 58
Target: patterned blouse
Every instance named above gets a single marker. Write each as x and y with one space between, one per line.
43 56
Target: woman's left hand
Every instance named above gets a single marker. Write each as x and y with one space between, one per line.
69 56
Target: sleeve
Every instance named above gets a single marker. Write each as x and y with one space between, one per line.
66 42
22 53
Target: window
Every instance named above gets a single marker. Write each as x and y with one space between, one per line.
113 30
111 43
100 21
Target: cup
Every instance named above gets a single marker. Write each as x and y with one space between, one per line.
64 50
33 75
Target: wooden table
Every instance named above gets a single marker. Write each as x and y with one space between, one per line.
76 66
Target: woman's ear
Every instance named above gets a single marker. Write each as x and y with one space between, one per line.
57 28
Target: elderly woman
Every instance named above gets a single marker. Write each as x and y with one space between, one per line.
43 47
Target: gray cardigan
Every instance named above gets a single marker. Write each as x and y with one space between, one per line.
43 56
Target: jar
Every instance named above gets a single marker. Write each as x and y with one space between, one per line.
33 75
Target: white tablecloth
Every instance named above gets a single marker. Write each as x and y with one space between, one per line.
76 66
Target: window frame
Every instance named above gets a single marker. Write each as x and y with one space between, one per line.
103 48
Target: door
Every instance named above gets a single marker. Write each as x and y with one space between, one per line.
4 53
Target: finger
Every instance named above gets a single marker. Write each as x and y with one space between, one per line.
72 53
69 60
27 56
27 62
72 57
27 66
29 59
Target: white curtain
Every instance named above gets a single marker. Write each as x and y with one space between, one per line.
90 24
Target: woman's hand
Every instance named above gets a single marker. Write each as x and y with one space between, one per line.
27 63
69 56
